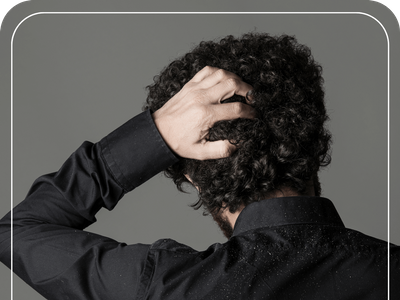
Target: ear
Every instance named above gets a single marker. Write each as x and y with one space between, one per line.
188 178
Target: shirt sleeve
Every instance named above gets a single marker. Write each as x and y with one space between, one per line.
51 252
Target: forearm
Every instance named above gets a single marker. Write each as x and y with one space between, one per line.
72 196
96 176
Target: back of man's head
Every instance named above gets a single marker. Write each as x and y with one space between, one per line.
283 148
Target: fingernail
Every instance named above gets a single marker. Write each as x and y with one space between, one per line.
249 96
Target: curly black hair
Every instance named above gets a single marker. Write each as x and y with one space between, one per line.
284 147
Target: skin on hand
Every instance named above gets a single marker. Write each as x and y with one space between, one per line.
184 120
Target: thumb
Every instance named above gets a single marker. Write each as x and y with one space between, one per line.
215 150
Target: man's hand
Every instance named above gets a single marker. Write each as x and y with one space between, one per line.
184 121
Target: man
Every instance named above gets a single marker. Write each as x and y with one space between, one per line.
243 121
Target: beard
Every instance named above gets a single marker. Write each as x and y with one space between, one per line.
224 224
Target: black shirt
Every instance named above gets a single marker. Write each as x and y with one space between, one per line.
282 248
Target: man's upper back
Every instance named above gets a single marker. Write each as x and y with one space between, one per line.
303 252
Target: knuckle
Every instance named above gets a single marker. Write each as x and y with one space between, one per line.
220 73
232 82
224 152
237 108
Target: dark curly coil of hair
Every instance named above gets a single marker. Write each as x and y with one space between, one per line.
283 148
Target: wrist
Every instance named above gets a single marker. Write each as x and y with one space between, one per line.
161 123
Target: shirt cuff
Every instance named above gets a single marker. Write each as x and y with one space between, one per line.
135 152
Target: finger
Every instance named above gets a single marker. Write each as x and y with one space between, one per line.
215 150
217 77
234 110
203 73
227 89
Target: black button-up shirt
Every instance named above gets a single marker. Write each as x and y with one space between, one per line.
282 248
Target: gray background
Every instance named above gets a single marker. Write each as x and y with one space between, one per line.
77 77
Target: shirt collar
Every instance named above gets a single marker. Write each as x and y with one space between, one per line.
287 211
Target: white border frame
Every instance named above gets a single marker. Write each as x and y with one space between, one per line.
203 13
